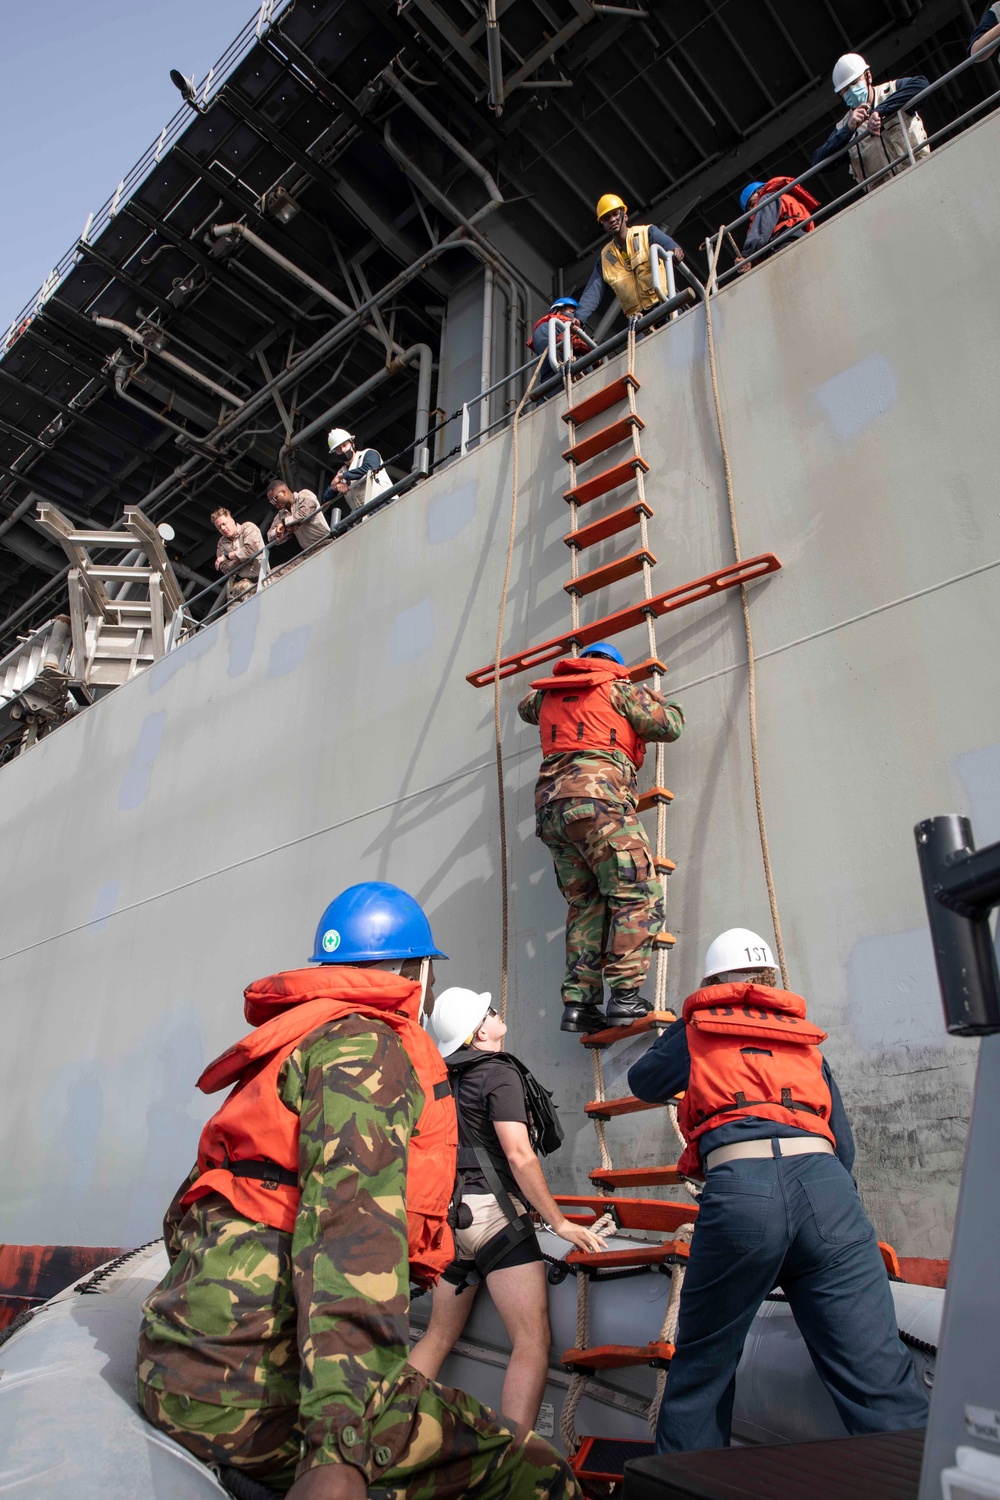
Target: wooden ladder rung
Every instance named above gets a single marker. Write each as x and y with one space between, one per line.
598 401
607 526
605 438
611 1034
618 1356
655 795
592 489
610 1109
664 940
654 1214
612 572
620 1177
639 1255
663 866
647 668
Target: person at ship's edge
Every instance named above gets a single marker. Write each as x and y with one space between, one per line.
504 1117
594 724
986 35
623 266
766 1128
277 1342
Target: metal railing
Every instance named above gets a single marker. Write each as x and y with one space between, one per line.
712 246
263 17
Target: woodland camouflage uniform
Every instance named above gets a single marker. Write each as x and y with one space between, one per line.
276 1352
585 814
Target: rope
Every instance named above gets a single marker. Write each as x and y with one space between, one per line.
578 1382
498 739
668 1329
751 663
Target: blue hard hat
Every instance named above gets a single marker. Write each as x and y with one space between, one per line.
748 193
371 922
604 648
565 302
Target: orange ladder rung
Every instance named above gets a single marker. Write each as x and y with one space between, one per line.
612 572
607 526
605 438
598 401
663 866
640 1255
655 1214
664 940
610 479
612 1034
620 1177
644 669
610 1109
655 795
618 1356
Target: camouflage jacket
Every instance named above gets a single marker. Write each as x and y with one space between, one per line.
302 518
596 775
250 1316
231 551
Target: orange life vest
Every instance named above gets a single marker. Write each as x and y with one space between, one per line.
580 346
577 713
752 1053
254 1124
795 206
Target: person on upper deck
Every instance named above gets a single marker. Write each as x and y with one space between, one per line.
298 515
237 554
504 1118
623 266
767 1133
356 464
987 34
877 125
594 724
788 215
562 310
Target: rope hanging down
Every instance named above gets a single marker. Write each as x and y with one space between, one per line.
751 663
498 740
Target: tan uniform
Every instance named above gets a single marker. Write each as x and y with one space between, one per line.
303 519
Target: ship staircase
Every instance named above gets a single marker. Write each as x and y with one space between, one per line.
606 497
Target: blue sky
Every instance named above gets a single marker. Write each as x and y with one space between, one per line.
86 90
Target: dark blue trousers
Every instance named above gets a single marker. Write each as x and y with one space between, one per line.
794 1222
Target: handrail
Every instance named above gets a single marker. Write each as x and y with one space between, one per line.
617 341
564 326
860 187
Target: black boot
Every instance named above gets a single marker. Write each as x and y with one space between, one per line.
582 1018
627 1005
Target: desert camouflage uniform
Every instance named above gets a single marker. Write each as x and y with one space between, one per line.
276 1352
585 815
302 519
230 552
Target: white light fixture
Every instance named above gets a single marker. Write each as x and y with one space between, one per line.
166 531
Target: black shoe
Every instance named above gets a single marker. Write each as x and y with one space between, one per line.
582 1018
627 1005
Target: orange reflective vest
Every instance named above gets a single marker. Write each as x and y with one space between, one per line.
255 1126
752 1053
795 206
577 713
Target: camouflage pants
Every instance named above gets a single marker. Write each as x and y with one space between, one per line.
604 869
238 589
453 1446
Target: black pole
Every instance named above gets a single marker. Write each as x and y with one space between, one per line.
958 909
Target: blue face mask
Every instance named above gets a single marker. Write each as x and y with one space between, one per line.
856 94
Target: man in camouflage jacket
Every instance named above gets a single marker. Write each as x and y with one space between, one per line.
585 814
284 1354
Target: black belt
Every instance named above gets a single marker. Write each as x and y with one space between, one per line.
268 1172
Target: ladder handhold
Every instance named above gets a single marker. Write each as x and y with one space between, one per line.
655 1214
598 401
618 1356
663 866
664 940
639 1255
612 572
655 1019
643 669
655 795
601 441
621 474
609 1109
620 1177
607 526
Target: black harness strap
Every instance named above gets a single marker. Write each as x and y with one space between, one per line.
267 1172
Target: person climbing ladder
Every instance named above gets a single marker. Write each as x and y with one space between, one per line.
594 724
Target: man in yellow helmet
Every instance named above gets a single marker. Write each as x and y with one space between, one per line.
623 266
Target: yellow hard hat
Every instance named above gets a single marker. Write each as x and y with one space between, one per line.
607 203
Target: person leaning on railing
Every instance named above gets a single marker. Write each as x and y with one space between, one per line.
624 265
986 34
298 515
875 130
237 554
788 215
350 480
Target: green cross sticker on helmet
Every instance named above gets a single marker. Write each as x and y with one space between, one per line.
372 923
331 940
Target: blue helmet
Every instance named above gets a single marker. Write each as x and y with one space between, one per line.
604 648
564 302
371 922
747 194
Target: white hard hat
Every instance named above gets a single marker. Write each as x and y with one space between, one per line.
336 436
738 948
457 1014
848 69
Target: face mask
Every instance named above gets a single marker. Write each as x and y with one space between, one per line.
855 95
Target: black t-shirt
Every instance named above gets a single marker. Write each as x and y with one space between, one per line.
491 1090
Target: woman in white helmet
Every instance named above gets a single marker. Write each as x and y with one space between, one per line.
355 465
766 1130
504 1117
878 121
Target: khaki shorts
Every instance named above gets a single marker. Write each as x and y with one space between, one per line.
488 1218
